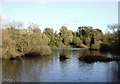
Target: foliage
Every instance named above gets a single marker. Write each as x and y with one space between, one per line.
19 42
66 35
114 37
95 46
76 41
54 38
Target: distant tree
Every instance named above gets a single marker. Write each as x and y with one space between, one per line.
98 31
85 32
63 29
115 35
66 35
114 27
48 31
54 38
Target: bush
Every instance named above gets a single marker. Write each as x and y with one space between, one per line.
95 46
76 41
19 42
62 45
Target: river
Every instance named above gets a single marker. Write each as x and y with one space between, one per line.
51 69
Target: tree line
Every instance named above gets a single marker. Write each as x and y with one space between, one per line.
19 41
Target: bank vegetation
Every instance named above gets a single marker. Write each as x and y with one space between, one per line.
18 41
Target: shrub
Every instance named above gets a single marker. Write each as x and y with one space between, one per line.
19 42
95 46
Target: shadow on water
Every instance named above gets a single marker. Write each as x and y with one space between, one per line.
51 69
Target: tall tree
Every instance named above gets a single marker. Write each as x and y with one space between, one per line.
66 35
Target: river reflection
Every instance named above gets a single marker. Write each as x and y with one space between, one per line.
51 69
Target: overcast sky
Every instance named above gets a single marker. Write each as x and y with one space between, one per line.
56 14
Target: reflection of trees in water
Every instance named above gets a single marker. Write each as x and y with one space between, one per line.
113 71
33 69
54 55
63 55
24 70
64 52
103 52
10 70
36 69
91 52
88 52
54 52
83 53
119 70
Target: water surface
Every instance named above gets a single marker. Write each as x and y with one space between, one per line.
51 69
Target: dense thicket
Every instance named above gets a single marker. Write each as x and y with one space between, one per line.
19 42
113 38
